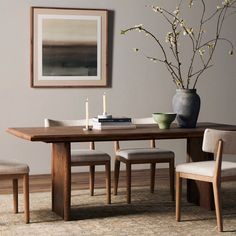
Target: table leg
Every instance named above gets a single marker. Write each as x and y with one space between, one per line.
61 179
198 192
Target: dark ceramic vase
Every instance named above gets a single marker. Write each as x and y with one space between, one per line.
186 103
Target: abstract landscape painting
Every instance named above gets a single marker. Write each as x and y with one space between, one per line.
69 48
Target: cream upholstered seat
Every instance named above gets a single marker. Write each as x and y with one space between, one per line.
144 153
218 142
15 170
11 168
89 155
150 155
207 168
86 157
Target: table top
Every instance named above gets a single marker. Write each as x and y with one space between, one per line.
144 132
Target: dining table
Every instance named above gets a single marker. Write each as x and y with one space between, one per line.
61 138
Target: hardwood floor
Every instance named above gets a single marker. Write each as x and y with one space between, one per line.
42 183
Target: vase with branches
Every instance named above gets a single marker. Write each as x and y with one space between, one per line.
202 45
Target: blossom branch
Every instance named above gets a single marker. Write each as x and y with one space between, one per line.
220 21
198 41
176 80
142 29
211 42
197 72
196 36
189 31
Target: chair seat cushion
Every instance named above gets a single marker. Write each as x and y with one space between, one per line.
84 155
12 167
206 168
145 153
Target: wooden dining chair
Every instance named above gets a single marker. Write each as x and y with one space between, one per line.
151 155
86 157
15 171
218 142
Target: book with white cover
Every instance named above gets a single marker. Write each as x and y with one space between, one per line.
105 127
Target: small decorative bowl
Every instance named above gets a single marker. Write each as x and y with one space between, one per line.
164 120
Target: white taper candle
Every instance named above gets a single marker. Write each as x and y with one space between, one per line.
104 103
87 113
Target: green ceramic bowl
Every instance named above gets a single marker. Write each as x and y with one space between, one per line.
164 120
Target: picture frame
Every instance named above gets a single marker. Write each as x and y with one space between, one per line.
69 47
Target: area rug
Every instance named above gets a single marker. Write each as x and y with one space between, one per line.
149 214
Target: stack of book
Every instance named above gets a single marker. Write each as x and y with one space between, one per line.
113 123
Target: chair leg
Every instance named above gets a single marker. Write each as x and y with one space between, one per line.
217 198
172 179
26 196
128 182
116 175
91 179
153 170
108 181
15 195
178 195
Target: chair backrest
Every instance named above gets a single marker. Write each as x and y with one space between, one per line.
53 123
140 122
212 137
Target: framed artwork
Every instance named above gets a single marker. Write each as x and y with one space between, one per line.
69 47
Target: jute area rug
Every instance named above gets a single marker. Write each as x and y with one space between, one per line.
149 214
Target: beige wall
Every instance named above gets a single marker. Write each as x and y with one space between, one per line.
139 87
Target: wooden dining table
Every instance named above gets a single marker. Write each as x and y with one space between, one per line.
61 138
